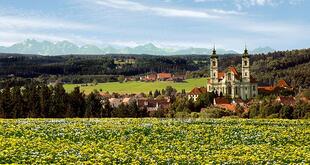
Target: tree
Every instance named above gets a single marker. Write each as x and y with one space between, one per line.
107 108
77 103
32 100
254 111
133 109
204 100
300 111
121 78
6 103
169 91
18 103
150 94
94 106
120 111
59 100
156 93
286 112
45 95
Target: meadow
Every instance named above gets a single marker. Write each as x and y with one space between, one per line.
138 87
151 141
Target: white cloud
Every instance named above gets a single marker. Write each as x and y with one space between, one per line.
248 3
163 11
225 12
295 2
9 38
199 1
17 22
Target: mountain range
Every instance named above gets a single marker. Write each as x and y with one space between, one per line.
31 46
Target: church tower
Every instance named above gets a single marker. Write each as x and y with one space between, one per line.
214 67
245 66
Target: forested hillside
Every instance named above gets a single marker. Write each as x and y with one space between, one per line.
293 66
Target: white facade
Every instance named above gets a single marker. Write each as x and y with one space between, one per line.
231 83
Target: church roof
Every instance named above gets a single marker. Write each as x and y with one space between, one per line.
221 75
235 72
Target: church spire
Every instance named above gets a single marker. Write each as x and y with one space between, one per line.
245 54
214 52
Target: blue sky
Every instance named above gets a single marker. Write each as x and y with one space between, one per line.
280 24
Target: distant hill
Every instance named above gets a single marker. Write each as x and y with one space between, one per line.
32 46
261 50
292 66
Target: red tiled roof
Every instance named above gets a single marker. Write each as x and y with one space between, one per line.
220 75
164 75
164 103
105 94
198 91
239 101
234 70
221 100
266 88
282 83
230 107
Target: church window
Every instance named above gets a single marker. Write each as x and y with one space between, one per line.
253 88
236 90
245 73
229 76
213 63
245 63
229 90
246 88
214 75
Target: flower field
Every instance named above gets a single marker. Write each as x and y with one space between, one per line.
150 141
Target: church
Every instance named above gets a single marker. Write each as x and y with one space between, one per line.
231 83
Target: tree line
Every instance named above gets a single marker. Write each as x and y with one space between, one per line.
291 66
42 101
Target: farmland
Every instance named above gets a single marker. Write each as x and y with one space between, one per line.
138 87
150 141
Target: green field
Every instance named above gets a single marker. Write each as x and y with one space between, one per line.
138 87
151 141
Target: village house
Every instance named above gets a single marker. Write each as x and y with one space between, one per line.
164 76
115 102
178 78
281 84
151 77
223 103
196 92
286 100
153 104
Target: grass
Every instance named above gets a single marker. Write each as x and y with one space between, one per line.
138 87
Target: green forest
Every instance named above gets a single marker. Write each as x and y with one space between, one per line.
292 66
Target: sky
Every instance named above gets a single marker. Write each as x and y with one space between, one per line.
229 24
